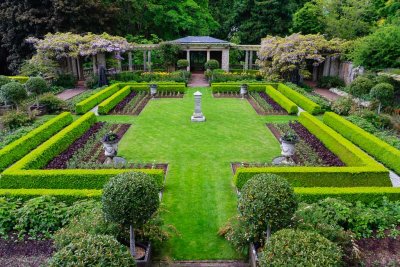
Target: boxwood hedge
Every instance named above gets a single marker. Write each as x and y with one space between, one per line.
22 146
282 100
112 101
90 102
21 79
235 87
299 99
382 151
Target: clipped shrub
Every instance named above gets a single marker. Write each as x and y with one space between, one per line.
93 250
211 64
182 63
130 199
299 99
361 86
279 98
36 86
4 80
267 203
290 247
22 146
342 105
235 87
52 102
384 93
13 92
92 101
108 104
20 79
92 81
385 153
16 119
40 217
330 82
65 81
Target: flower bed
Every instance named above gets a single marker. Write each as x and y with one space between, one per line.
275 106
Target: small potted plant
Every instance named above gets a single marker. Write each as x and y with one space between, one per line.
153 89
243 89
110 144
288 142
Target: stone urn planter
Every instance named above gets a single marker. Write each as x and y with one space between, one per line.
41 109
144 259
288 144
153 89
110 145
243 90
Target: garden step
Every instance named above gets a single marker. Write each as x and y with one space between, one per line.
211 263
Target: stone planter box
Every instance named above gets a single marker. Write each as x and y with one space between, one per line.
42 110
146 261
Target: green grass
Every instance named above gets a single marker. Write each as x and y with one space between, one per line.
199 194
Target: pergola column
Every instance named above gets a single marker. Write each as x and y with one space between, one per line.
149 59
188 59
225 59
119 62
73 67
208 55
130 61
95 71
78 64
246 61
144 61
251 60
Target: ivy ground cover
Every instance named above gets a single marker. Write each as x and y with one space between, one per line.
199 194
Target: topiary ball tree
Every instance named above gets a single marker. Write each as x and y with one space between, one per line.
290 247
130 199
13 92
182 63
267 203
383 92
211 64
361 86
36 86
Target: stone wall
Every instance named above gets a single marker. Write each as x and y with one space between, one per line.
334 67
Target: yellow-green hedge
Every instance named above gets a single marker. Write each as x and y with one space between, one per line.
340 146
40 156
111 102
299 99
235 87
282 100
21 79
90 102
385 153
22 146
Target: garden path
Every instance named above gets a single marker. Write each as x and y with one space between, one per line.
199 194
70 93
198 80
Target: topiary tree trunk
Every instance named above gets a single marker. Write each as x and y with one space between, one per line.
132 246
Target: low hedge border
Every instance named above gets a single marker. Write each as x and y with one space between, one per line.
21 79
282 100
229 87
320 176
22 146
39 157
352 194
90 102
379 149
111 102
340 146
68 179
172 87
299 99
66 195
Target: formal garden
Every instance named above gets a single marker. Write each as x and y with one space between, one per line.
146 150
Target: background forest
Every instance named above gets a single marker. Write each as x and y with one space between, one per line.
240 21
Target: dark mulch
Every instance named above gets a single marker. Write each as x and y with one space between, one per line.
118 109
14 252
380 252
141 105
227 95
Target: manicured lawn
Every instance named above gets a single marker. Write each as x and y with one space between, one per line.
199 194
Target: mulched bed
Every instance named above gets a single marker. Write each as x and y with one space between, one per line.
227 95
25 253
118 109
380 252
272 103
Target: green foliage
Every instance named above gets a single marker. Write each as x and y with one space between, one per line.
342 105
279 98
39 217
7 215
235 87
212 64
361 86
383 92
36 85
40 65
65 81
92 81
266 201
4 80
93 250
169 54
13 92
300 248
378 50
299 99
20 79
15 119
182 63
51 102
385 153
309 19
130 199
108 104
330 82
90 102
19 148
322 102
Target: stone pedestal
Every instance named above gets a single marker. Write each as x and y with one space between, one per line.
198 114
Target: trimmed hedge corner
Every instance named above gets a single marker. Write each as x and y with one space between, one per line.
282 100
111 102
379 149
299 99
40 156
90 102
22 146
20 79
